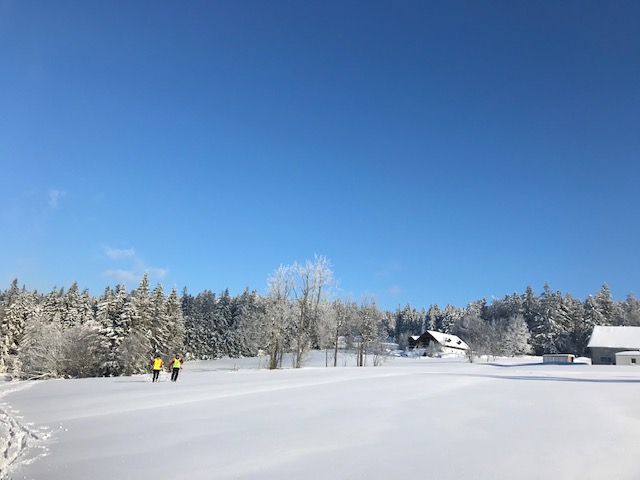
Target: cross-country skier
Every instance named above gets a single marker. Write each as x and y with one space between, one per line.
157 366
176 365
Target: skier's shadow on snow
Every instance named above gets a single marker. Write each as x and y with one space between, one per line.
141 380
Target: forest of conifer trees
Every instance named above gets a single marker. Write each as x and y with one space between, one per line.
69 333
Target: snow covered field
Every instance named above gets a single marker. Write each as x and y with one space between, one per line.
412 417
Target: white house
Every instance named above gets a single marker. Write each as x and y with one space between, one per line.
445 342
628 358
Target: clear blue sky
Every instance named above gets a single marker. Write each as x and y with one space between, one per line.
435 152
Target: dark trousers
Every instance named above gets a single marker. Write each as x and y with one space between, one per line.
156 374
174 374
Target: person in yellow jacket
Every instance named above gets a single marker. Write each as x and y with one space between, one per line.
156 366
176 365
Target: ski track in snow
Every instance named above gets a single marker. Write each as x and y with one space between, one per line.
17 438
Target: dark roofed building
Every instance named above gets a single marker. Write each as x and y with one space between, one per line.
446 342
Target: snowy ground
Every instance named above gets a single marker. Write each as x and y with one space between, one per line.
412 417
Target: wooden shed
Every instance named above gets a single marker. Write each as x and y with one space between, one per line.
558 358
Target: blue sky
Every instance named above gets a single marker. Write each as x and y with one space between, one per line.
435 152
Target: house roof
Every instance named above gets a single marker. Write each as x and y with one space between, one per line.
446 340
627 338
632 353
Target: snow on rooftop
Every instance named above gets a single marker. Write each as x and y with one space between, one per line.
447 340
615 337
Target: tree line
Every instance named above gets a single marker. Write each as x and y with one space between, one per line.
70 333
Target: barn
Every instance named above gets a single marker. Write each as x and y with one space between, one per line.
606 342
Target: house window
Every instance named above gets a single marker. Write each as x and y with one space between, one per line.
605 359
633 361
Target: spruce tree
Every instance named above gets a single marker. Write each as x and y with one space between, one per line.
175 323
158 333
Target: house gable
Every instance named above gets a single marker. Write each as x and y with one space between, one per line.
444 340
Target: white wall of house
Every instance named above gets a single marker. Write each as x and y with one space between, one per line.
628 358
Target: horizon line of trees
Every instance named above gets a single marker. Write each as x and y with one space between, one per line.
74 334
